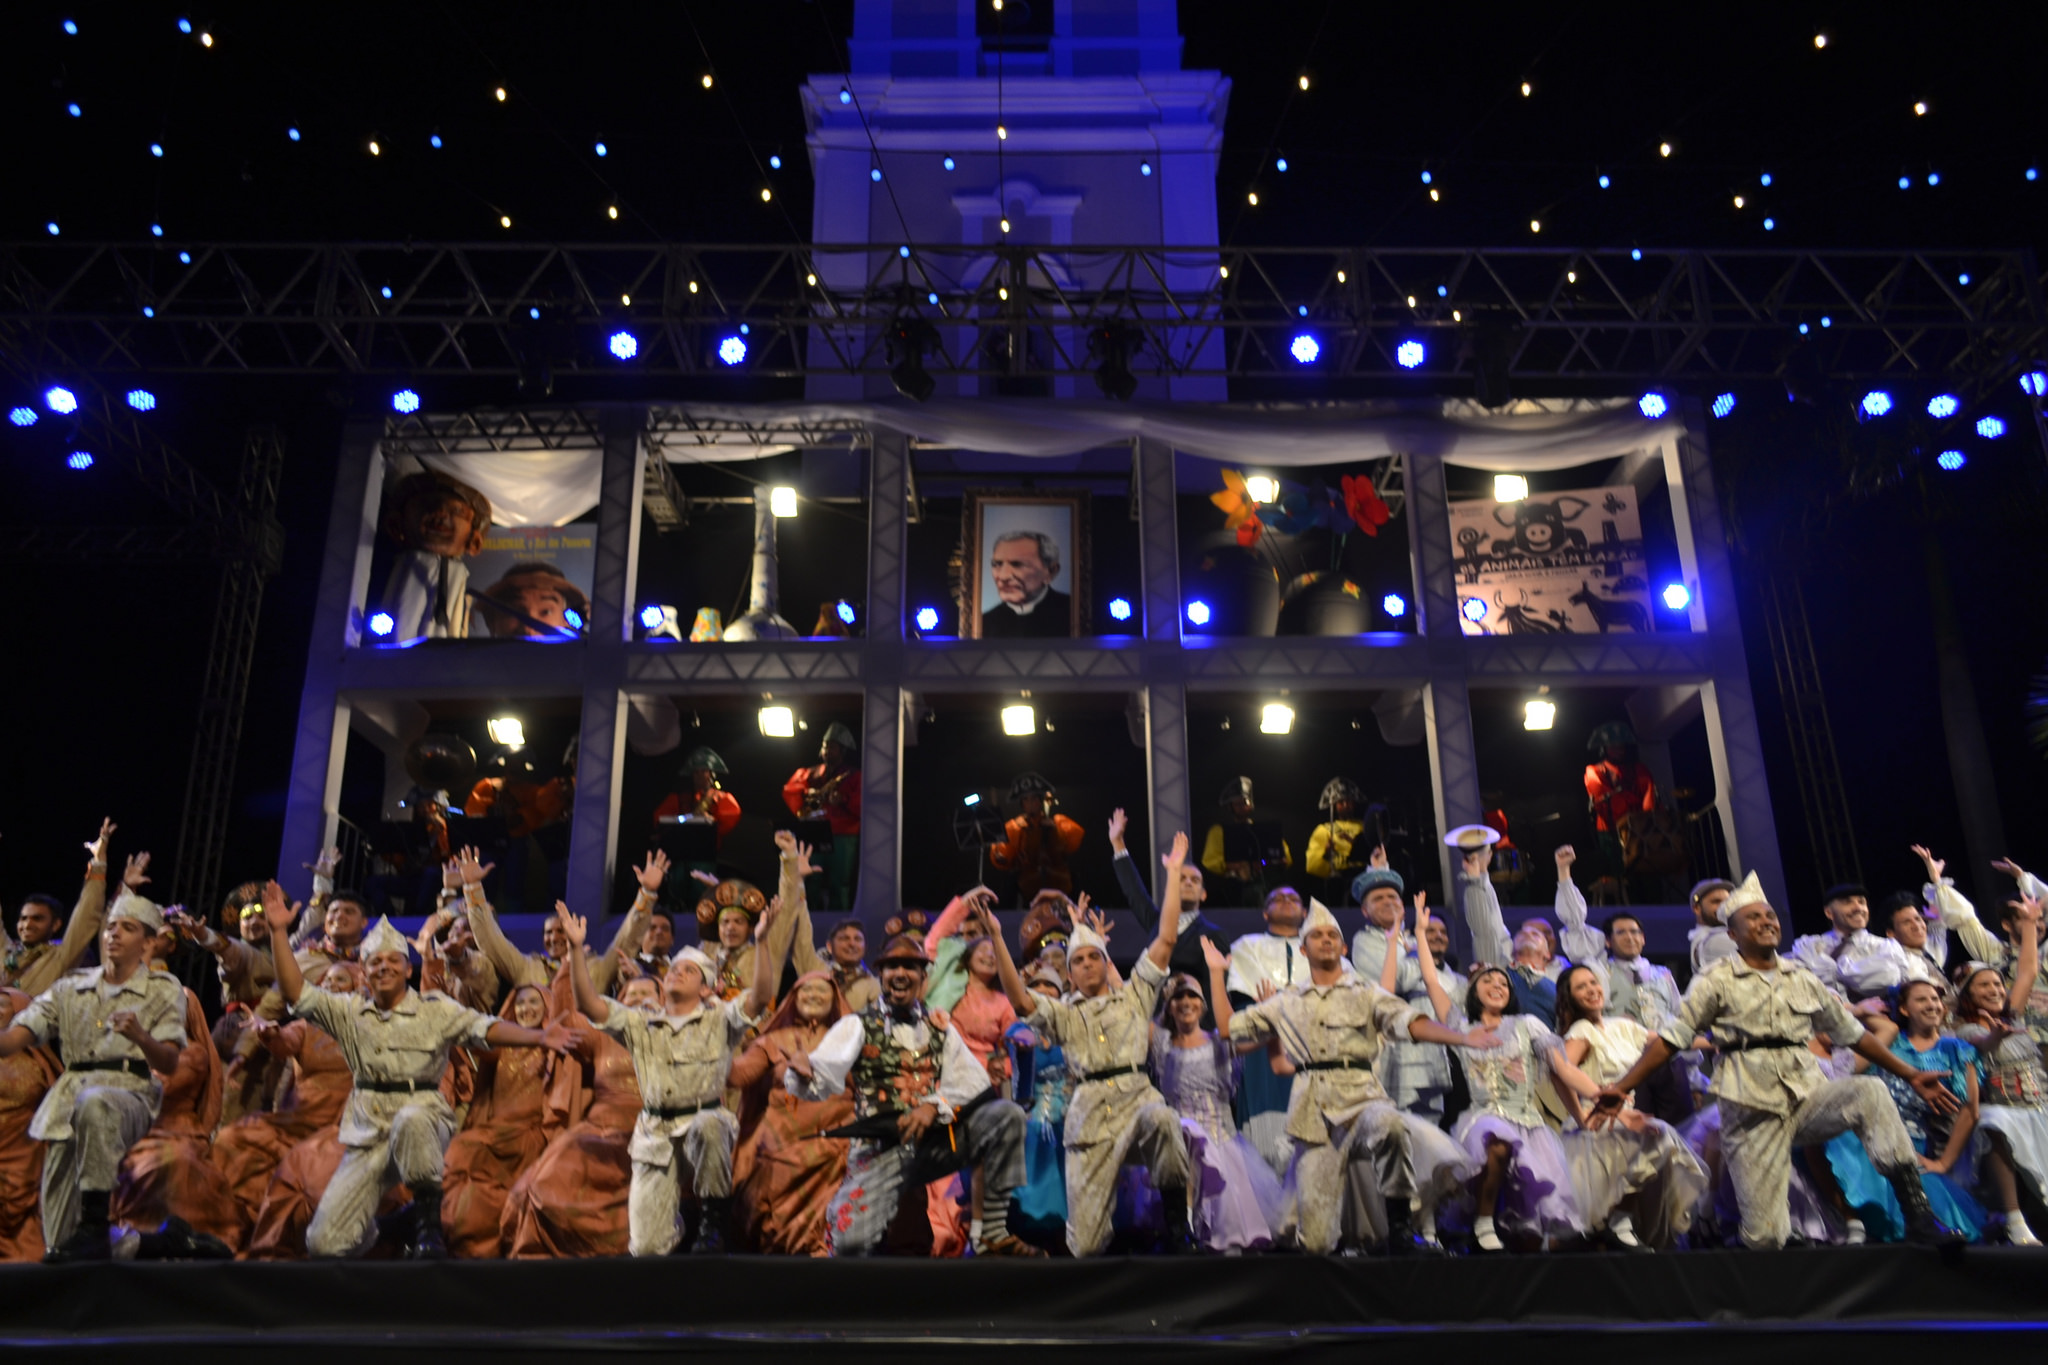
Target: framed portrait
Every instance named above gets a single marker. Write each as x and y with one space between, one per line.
1025 564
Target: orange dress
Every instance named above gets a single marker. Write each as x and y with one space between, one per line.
783 1172
572 1200
507 1129
171 1171
24 1079
249 1150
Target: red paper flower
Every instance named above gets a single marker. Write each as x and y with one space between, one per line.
1248 531
1367 508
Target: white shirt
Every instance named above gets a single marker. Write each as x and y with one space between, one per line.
1257 959
961 1076
1637 988
1860 964
1491 941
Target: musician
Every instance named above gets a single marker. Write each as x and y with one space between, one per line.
1337 848
1240 882
1617 784
829 790
703 797
1037 844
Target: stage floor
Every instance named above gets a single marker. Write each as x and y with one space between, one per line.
1693 1306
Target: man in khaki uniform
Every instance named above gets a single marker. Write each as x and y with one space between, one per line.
32 963
681 1057
1761 1011
397 1125
114 1026
1116 1115
1338 1116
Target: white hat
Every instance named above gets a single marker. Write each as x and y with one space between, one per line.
697 958
1318 914
382 938
1749 893
1472 838
1084 937
141 909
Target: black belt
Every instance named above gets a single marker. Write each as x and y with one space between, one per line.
1757 1044
681 1113
134 1066
1111 1074
397 1087
1338 1064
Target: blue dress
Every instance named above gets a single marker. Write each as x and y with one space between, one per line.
1041 1201
1867 1191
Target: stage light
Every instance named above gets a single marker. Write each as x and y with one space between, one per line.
774 163
1663 149
1635 253
1538 715
1252 198
1303 82
650 616
1905 182
405 400
184 258
1677 596
79 459
1991 428
1653 405
1934 178
1605 182
1943 405
1393 604
184 26
1409 354
142 400
1198 612
1304 348
1951 460
381 624
2035 383
292 133
156 149
932 299
1770 225
148 311
732 350
845 95
1765 179
1443 291
611 211
1281 164
60 400
1473 609
1002 133
1019 720
1963 280
504 220
434 141
1724 405
23 417
1527 89
845 612
74 110
1276 718
509 731
1820 40
1119 609
971 799
1535 225
778 722
623 345
206 40
602 150
385 291
875 174
375 150
156 229
1510 487
1425 177
1260 488
782 501
500 93
1876 403
927 618
71 27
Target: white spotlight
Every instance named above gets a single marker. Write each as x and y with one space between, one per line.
1260 488
507 730
1538 715
778 722
782 501
1276 719
1019 720
1510 488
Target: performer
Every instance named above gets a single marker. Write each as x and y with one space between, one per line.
785 1170
25 1078
703 797
1194 925
1617 784
1352 1148
509 1124
1116 1115
1529 959
681 1056
1637 1167
2013 1101
908 1064
114 1025
514 968
1908 920
2002 950
1708 939
847 948
397 1126
1037 844
1762 1009
657 942
966 982
1045 1087
1240 881
34 956
829 790
1417 1075
1236 1201
437 521
1849 958
1336 847
727 919
1262 965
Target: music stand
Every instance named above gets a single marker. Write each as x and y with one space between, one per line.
688 839
977 823
1257 842
817 833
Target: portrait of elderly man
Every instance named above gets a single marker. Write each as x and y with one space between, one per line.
1024 565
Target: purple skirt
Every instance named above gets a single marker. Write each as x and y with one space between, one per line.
1537 1194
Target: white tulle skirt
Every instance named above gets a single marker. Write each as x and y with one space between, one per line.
1655 1165
2025 1134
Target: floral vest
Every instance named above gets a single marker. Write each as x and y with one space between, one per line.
888 1077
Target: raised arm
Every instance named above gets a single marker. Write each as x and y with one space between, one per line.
2028 968
1161 951
1490 939
279 916
768 965
1219 992
89 913
1581 944
1957 912
503 955
948 923
576 929
1425 960
1127 877
1390 966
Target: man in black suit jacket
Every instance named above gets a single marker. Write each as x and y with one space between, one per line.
1194 925
1024 564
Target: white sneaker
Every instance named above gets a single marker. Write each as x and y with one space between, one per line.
1857 1236
1484 1237
2017 1233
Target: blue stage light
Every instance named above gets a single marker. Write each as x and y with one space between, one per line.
732 350
148 311
623 345
1951 460
1281 164
573 617
603 150
52 228
1393 604
292 133
1635 253
1305 348
845 95
1605 182
74 111
1991 428
184 26
1119 609
932 299
1826 321
875 174
1963 280
1443 291
2034 382
381 624
1934 178
1724 405
385 291
1198 612
60 400
1876 403
156 149
1766 180
184 258
1654 405
405 400
927 618
1409 354
904 252
1905 182
1473 609
434 141
142 400
1425 177
1677 596
845 612
1144 168
1943 405
650 616
1770 225
23 417
533 313
71 27
79 459
948 163
156 229
774 163
1804 329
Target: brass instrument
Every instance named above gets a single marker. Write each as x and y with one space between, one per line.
822 790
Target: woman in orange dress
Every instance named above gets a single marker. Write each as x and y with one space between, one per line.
508 1127
784 1172
24 1078
572 1201
170 1173
247 1151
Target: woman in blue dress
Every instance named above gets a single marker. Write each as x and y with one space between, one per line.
1039 1212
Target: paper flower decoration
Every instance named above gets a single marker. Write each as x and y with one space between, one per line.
1367 508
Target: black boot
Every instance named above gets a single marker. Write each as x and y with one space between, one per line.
178 1240
427 1243
90 1241
1922 1227
711 1227
1180 1233
1401 1238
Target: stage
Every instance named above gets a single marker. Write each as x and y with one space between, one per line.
1692 1306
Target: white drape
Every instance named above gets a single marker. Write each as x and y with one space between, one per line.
529 487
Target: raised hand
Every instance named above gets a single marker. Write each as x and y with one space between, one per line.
1566 855
1421 914
2009 868
785 840
1178 854
804 866
708 878
96 849
1935 866
187 926
1478 860
557 1038
650 873
278 913
135 875
1116 828
1267 990
575 928
451 876
473 870
1217 959
324 865
1378 860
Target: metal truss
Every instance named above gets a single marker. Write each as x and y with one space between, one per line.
1531 316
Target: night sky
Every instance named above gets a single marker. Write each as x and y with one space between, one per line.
105 659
